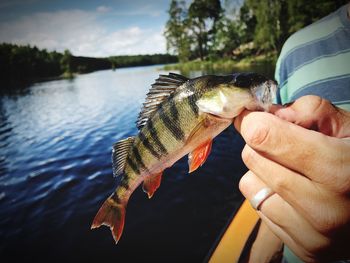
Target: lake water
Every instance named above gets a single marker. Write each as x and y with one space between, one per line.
55 171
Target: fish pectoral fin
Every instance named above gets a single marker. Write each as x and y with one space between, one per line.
152 183
197 157
206 122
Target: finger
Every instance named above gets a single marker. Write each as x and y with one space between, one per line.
274 207
321 206
295 189
292 146
298 250
238 120
267 247
250 184
313 112
305 110
289 225
292 223
344 126
318 114
275 107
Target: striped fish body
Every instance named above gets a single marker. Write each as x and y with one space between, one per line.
180 117
168 135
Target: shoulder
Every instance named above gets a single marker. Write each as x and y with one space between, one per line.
317 53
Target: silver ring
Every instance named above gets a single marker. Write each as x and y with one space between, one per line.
260 197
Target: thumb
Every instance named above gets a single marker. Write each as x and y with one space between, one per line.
316 113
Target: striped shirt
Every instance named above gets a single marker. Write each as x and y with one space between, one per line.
316 61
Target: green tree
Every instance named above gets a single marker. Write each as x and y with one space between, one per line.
227 37
276 20
66 62
247 23
203 17
25 63
302 13
271 23
175 31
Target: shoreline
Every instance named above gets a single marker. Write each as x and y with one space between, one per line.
226 65
19 84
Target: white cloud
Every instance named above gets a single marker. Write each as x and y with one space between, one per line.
81 33
131 39
148 10
103 9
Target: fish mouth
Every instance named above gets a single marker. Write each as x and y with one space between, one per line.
265 94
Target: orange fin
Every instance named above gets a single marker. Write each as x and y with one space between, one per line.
197 157
111 214
152 183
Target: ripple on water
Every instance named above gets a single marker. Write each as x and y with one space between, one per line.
94 175
2 196
65 183
11 181
86 161
68 166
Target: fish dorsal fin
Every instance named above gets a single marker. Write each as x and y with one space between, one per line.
119 153
164 86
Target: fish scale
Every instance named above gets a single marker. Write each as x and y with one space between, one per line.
180 116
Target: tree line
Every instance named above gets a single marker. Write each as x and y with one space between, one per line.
26 63
141 60
208 29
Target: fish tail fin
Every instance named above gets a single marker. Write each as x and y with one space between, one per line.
111 214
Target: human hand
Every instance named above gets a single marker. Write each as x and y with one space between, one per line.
308 170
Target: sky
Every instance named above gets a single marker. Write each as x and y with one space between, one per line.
87 28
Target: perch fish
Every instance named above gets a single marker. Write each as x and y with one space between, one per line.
180 116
